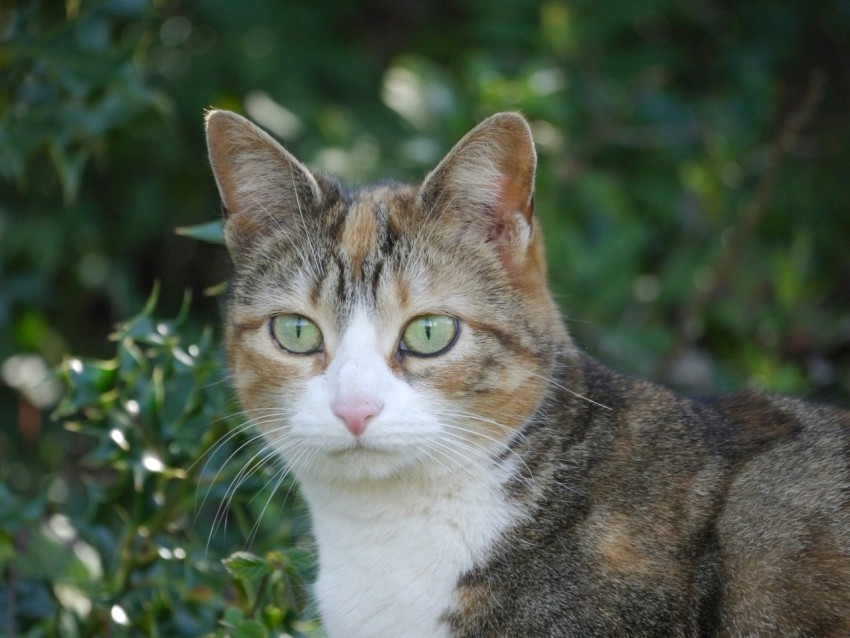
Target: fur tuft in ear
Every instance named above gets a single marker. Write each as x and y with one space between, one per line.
488 177
260 183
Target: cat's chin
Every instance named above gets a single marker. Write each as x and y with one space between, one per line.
364 462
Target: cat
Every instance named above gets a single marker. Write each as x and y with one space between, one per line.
468 470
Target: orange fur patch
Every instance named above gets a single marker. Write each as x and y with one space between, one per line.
629 548
503 402
471 597
617 548
260 370
359 234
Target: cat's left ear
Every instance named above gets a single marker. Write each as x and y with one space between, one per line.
487 178
262 186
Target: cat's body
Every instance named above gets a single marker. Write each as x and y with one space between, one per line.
469 472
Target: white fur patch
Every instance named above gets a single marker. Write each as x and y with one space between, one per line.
391 554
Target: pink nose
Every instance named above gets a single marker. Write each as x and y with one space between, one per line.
355 414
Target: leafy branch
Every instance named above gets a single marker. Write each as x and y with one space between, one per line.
740 236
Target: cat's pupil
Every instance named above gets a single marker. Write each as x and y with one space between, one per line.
428 329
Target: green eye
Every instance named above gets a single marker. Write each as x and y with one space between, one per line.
429 335
296 334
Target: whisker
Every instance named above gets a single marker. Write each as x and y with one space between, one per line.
221 442
502 445
249 469
573 392
252 466
430 446
277 479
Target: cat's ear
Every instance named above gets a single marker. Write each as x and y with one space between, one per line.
487 178
261 184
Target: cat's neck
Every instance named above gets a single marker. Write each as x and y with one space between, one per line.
398 548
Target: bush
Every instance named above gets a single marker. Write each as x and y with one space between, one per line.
171 476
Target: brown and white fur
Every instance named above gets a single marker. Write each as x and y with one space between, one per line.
510 485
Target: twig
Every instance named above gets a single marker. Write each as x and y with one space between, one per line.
10 602
730 255
261 589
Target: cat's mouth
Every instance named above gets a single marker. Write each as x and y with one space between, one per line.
365 460
359 446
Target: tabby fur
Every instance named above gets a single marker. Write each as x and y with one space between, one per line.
511 486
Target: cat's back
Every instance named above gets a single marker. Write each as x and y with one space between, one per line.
785 524
654 514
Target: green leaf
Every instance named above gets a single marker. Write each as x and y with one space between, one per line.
70 166
7 548
249 628
232 616
210 232
273 615
247 566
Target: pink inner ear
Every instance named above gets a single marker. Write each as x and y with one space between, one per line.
515 197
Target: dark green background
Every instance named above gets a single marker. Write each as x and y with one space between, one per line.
657 124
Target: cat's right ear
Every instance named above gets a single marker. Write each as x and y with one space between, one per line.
487 180
261 184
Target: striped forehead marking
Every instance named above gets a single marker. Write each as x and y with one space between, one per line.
365 241
359 234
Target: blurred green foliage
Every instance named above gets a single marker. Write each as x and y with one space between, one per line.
113 545
691 184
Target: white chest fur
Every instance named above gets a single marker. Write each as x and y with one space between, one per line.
390 555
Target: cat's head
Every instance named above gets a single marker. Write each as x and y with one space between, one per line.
392 330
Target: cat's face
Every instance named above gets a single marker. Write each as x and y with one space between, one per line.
393 330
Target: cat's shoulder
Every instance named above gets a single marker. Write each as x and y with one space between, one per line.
751 421
736 424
